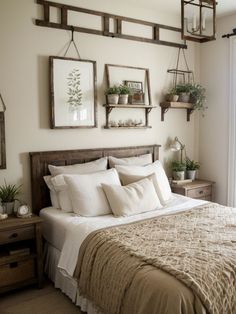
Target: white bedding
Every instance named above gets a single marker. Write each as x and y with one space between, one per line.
66 231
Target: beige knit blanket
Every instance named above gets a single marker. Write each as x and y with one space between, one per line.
198 247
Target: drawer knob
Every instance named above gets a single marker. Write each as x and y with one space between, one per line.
201 192
13 235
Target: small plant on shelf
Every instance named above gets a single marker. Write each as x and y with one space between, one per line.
172 95
184 92
112 94
124 94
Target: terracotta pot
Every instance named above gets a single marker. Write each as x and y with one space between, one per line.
184 97
123 99
112 99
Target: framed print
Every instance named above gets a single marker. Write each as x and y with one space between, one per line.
2 143
73 93
135 87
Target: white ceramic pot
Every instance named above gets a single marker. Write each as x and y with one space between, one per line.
184 97
191 174
123 99
178 175
112 99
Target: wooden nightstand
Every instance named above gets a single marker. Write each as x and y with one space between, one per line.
199 189
21 258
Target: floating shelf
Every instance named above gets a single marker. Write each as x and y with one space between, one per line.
110 107
165 106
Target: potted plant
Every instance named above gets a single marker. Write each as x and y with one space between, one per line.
8 196
178 170
124 94
172 96
191 168
198 96
184 91
112 94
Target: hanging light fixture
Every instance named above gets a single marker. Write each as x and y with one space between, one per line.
198 19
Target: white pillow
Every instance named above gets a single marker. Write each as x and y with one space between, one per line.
87 167
53 193
63 196
86 193
132 199
141 160
161 184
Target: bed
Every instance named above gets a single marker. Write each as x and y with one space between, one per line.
154 288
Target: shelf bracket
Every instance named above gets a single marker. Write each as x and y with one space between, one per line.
189 112
163 111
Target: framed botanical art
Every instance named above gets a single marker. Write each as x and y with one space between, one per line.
73 93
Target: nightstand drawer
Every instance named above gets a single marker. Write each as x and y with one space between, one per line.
15 235
17 272
200 192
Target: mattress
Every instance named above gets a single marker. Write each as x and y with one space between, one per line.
66 231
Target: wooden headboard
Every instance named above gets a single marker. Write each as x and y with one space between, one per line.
39 162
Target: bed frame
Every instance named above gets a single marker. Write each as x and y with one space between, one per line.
39 162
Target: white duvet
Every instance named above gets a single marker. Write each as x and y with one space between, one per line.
70 230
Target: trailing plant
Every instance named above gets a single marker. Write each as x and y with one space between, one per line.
178 166
124 90
112 90
198 96
74 90
9 192
191 164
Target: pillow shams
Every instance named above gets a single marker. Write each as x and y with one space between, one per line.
86 193
141 160
53 193
161 183
84 168
132 199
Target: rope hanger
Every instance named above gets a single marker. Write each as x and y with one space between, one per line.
72 42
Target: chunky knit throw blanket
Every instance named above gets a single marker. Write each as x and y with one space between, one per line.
198 247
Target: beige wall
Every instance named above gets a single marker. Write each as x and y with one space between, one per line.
24 85
213 135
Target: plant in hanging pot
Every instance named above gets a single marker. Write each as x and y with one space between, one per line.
124 94
8 196
198 96
184 91
178 170
191 168
112 94
172 95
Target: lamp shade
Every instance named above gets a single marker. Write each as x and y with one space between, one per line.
176 146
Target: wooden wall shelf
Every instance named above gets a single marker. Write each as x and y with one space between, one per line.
165 106
110 107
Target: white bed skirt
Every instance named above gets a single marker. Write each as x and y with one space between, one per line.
65 283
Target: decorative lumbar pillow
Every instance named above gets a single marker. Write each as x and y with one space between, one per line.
132 199
88 167
141 160
161 182
86 193
53 193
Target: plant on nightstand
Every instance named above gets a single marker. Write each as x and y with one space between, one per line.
178 170
112 94
8 196
191 167
124 94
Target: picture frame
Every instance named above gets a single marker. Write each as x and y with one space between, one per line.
135 86
3 142
73 93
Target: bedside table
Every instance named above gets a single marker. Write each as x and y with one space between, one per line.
21 257
200 189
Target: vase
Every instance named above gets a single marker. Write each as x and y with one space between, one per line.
112 99
191 174
8 207
123 99
178 175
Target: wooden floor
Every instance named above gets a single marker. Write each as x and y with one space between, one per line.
37 301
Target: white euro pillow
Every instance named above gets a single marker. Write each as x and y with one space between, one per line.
86 193
84 168
141 160
161 183
63 196
132 199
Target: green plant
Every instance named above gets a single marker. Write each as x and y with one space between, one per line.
183 88
178 166
191 164
112 90
124 90
9 192
198 96
74 91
